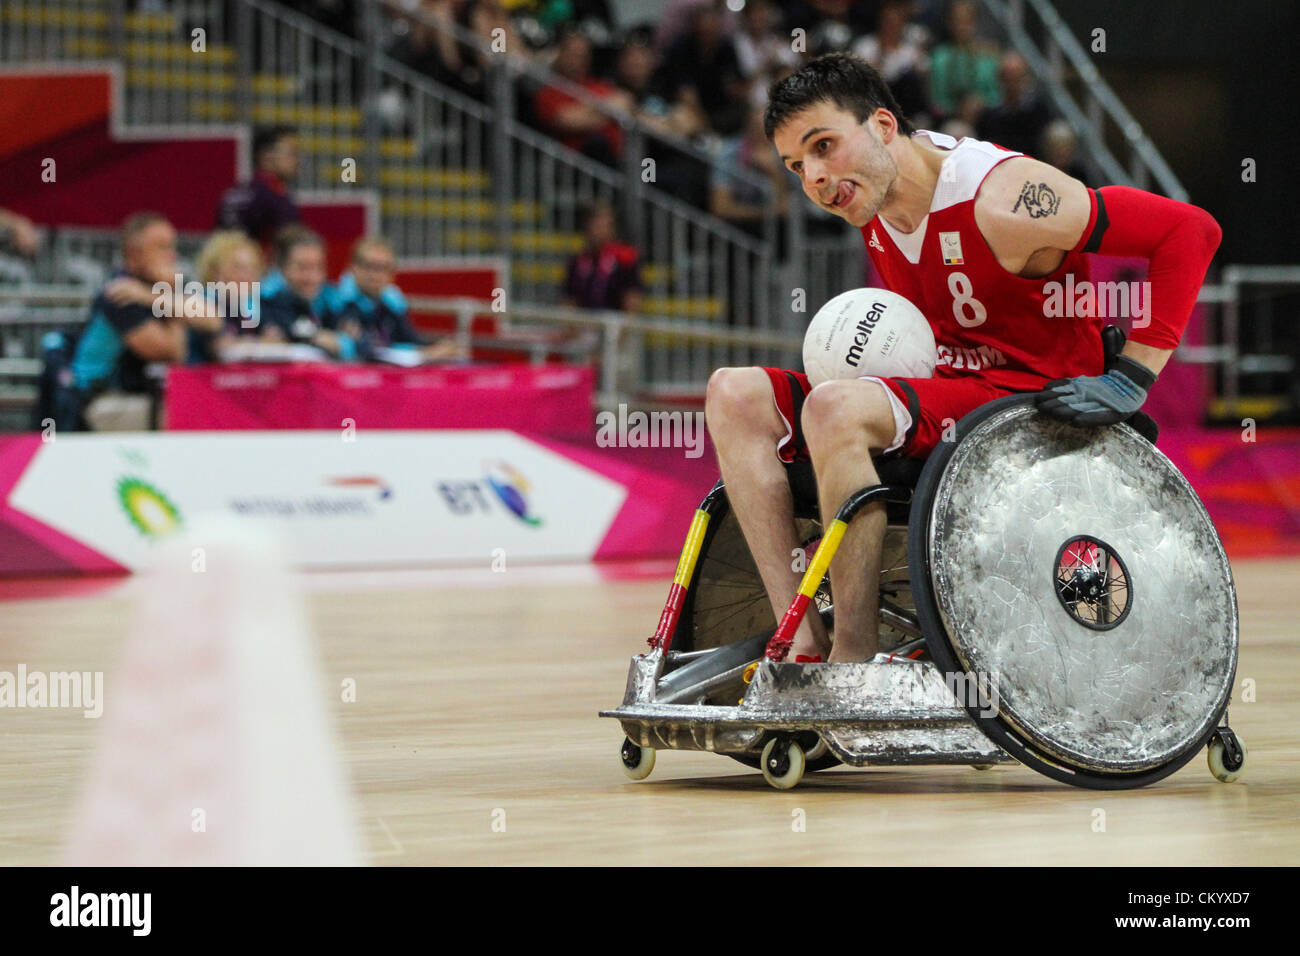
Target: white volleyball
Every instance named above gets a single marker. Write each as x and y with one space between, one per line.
868 332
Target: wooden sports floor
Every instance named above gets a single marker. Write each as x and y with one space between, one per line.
474 739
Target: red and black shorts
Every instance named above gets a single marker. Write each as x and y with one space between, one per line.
923 408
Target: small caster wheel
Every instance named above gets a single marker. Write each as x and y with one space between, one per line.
782 763
981 766
637 761
1227 756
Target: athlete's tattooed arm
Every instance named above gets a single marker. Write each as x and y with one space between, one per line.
1039 201
1031 214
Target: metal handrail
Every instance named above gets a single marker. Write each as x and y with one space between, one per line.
468 309
615 180
1147 161
620 334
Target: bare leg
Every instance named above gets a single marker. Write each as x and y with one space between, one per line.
745 427
844 422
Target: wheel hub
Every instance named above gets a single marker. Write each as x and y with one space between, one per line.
631 755
1092 583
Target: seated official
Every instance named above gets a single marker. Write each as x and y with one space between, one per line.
294 304
106 386
230 267
371 310
18 233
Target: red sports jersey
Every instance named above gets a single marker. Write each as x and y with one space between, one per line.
987 321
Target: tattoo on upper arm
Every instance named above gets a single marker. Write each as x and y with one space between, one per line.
1039 201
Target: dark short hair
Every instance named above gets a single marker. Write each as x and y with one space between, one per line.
848 81
267 137
290 238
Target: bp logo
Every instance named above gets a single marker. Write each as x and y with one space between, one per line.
148 509
512 488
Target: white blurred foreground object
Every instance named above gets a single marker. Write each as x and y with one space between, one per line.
216 747
868 332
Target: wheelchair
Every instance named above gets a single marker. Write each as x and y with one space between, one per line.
1050 594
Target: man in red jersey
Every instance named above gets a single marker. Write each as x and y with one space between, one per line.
978 238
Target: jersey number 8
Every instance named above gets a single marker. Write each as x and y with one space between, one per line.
960 287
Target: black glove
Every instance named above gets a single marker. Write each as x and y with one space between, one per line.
1098 399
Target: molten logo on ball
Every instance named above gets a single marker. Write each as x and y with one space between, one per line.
864 332
868 332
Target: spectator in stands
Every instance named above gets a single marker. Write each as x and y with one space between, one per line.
592 16
263 206
963 71
1019 120
294 306
759 48
130 327
830 24
371 310
429 45
833 21
634 72
18 233
490 22
675 21
1061 149
705 60
577 124
230 265
897 51
606 274
676 171
737 199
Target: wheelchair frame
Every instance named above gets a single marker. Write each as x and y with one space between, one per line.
889 712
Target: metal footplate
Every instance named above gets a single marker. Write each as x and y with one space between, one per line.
881 714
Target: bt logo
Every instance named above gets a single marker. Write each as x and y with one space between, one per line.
501 480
